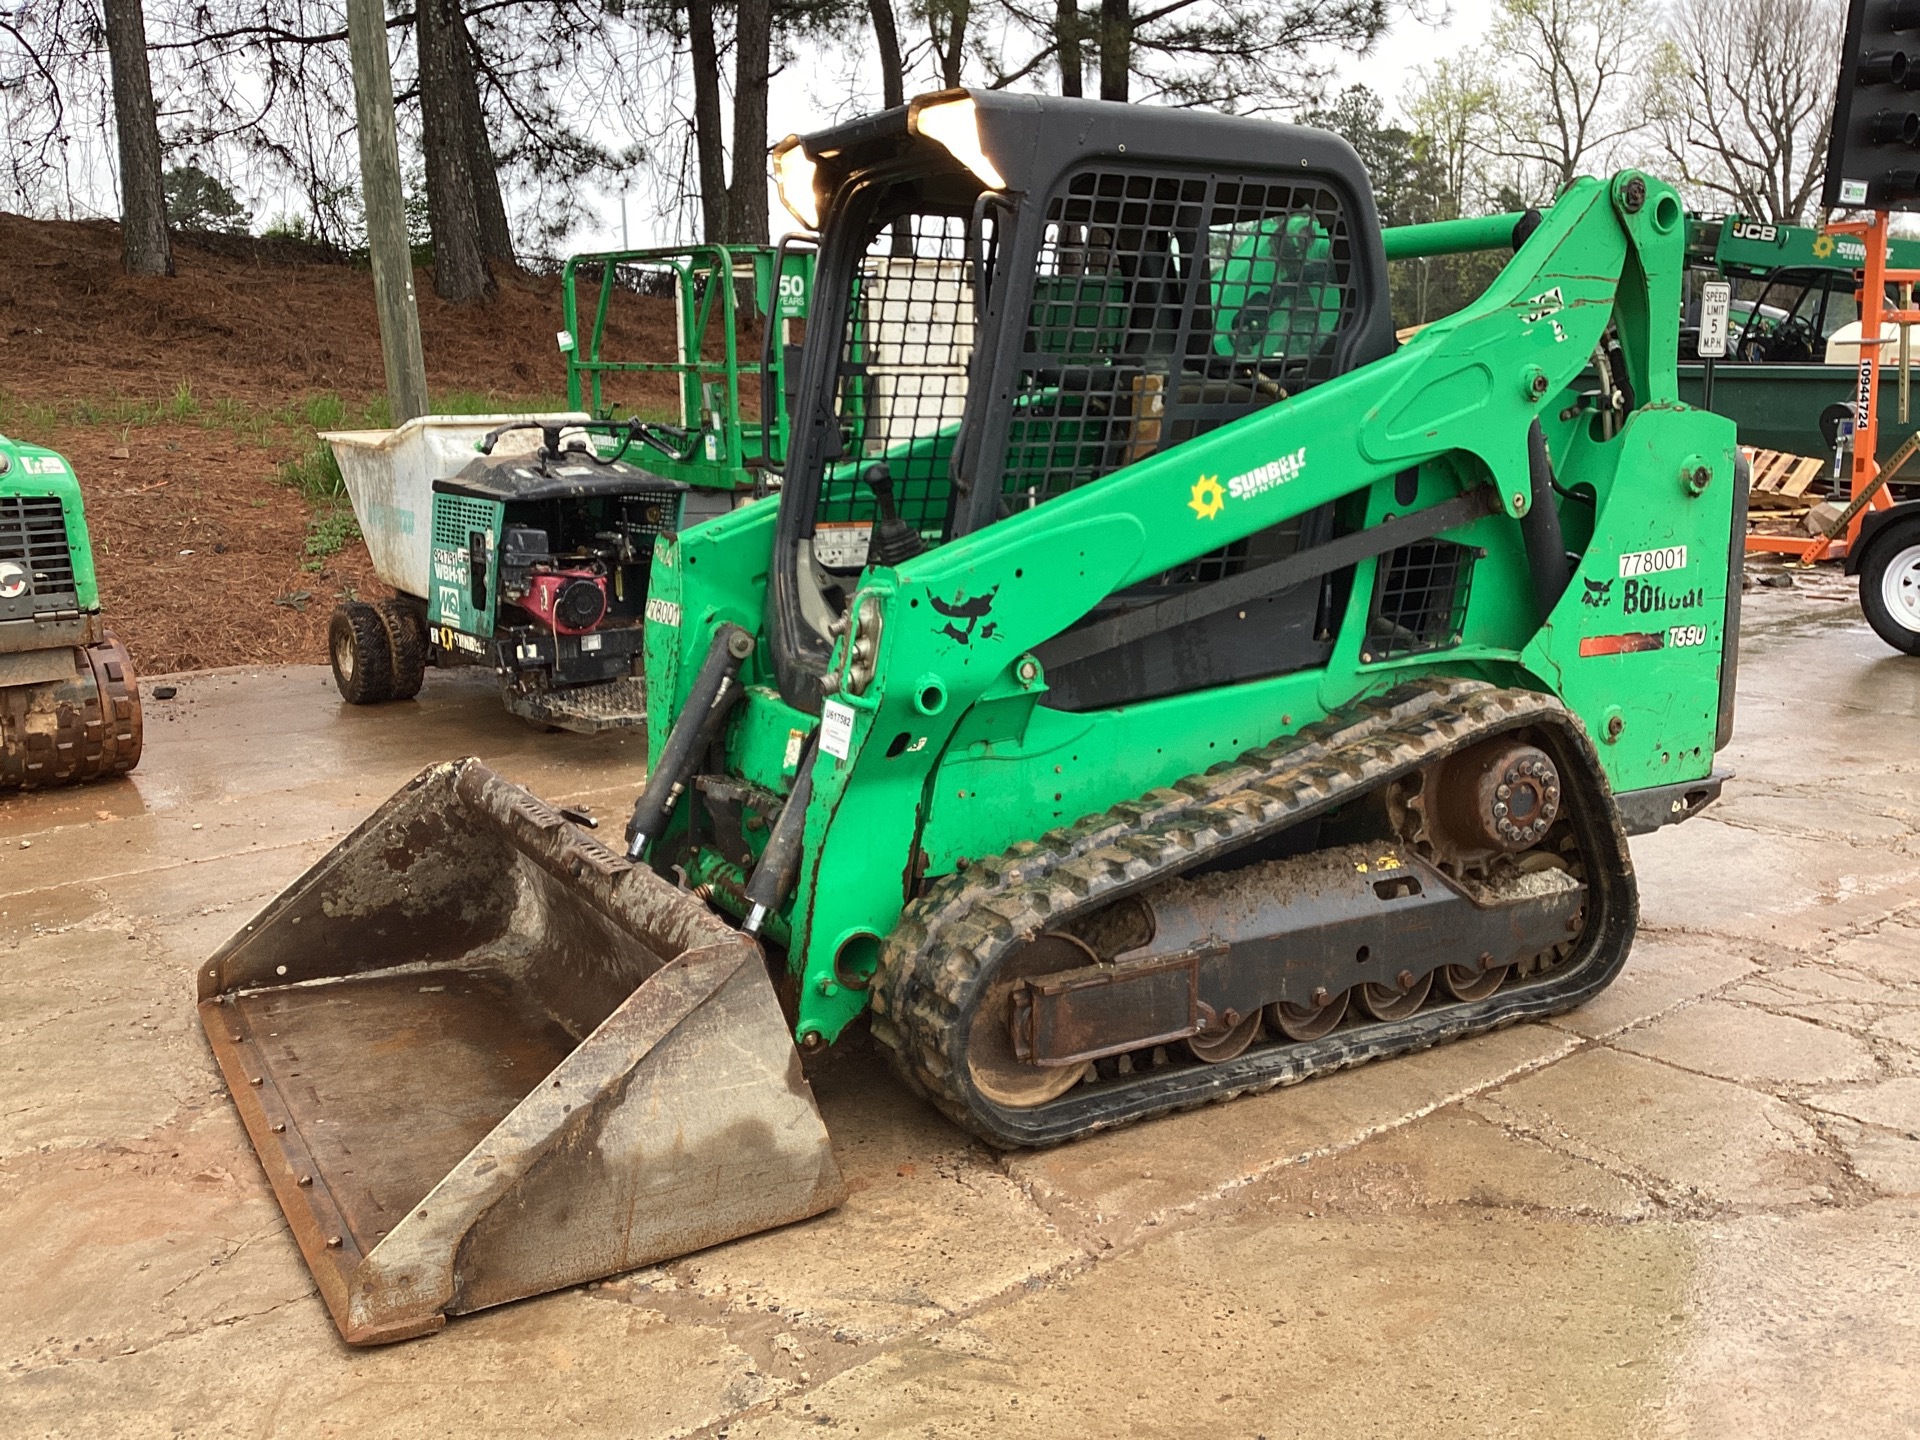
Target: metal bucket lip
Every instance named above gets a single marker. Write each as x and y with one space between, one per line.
632 896
406 1281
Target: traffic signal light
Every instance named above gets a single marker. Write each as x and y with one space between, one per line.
1873 157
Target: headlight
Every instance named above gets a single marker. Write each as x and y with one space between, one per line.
793 176
863 653
956 125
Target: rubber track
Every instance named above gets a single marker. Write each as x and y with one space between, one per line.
941 954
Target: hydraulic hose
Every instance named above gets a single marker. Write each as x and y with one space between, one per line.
1540 526
779 863
715 689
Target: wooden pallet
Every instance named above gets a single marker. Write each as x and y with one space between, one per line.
1781 481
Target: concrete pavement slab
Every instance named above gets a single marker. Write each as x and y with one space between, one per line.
1891 955
95 1041
1804 1325
1737 1043
1693 1140
1661 972
1891 1104
1815 891
1281 1325
570 1365
932 1226
1453 1157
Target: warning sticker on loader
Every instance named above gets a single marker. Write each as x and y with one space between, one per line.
842 544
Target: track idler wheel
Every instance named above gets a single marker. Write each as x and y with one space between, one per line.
997 1071
1502 796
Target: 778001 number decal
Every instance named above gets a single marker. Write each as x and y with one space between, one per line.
1680 636
1653 562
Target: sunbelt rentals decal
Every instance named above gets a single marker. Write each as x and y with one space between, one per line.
1209 496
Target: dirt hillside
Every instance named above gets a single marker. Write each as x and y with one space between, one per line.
183 402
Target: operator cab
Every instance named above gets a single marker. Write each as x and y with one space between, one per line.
1017 295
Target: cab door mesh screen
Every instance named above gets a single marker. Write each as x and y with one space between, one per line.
1165 304
903 369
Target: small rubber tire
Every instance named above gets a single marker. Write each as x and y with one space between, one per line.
406 626
1890 586
361 653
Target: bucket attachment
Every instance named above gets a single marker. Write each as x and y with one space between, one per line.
482 1057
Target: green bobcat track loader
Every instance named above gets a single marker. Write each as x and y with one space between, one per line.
69 703
1149 685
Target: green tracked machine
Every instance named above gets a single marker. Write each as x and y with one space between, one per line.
69 703
1149 685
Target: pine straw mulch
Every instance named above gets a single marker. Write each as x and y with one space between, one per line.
179 400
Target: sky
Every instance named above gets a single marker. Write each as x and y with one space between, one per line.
793 105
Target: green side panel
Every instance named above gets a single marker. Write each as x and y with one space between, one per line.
702 578
465 594
33 472
1633 647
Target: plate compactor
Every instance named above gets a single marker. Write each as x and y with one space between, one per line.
69 703
1150 685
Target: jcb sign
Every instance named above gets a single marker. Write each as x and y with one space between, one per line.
1873 158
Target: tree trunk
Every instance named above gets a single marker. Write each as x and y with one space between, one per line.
145 249
753 57
708 143
1116 47
459 269
948 21
496 236
1066 46
886 39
